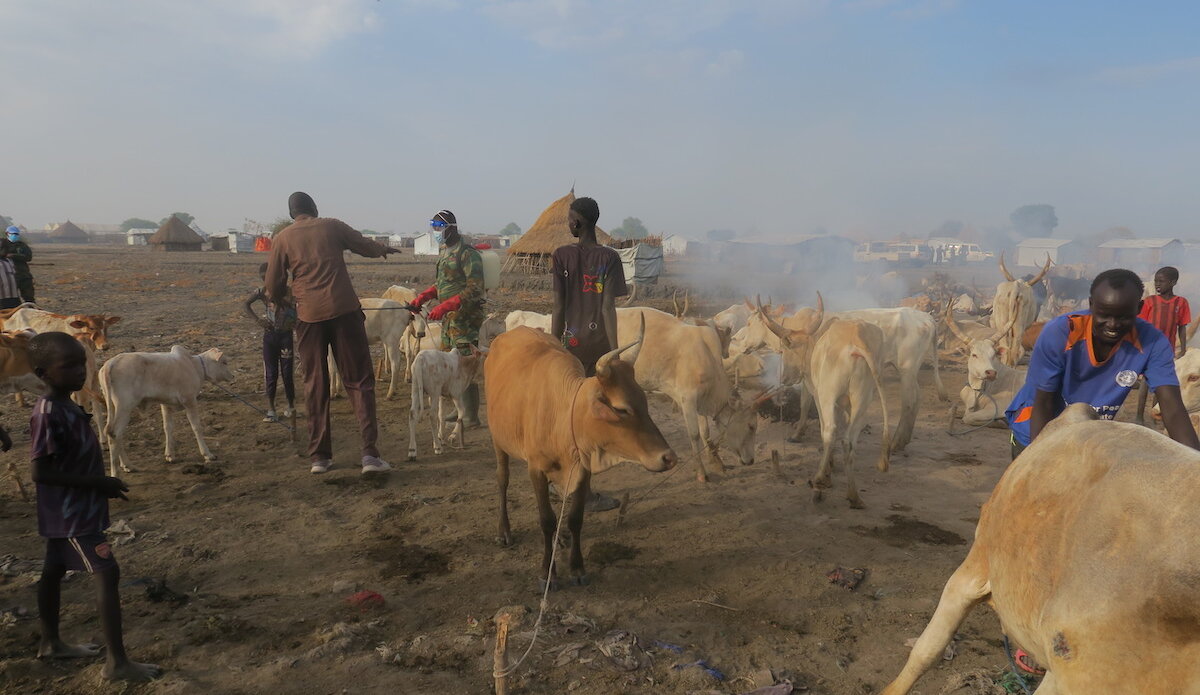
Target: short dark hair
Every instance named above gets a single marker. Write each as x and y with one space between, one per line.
588 209
46 347
1119 279
301 203
1170 272
262 268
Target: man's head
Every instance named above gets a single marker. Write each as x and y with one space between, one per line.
1165 279
301 203
58 360
14 233
1116 299
583 215
445 227
262 271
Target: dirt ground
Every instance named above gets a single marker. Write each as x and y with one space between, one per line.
260 558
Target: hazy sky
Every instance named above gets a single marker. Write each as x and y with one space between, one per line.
769 117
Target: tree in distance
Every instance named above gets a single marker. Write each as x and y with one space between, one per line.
631 228
183 217
511 229
139 223
1034 220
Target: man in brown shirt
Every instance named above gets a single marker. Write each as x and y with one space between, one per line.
329 317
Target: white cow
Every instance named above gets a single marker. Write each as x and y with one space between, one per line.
438 374
991 384
841 367
1005 308
683 362
527 318
386 322
412 334
172 380
735 317
908 337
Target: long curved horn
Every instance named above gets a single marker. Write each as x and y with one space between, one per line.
1004 269
1045 269
1011 322
819 317
953 325
602 364
675 302
687 301
779 331
632 295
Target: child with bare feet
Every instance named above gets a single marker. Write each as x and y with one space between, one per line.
72 506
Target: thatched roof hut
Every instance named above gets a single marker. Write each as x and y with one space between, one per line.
531 253
174 235
68 233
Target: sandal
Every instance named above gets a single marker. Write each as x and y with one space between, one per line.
1026 663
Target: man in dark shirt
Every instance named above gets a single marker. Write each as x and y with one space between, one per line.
330 317
588 278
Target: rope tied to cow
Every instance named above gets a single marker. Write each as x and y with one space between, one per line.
954 410
576 459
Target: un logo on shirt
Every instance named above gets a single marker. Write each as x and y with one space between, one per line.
1126 378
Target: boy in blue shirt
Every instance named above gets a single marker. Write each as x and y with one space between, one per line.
1096 357
72 506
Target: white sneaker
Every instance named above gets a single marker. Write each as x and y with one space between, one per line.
374 464
319 467
288 412
270 417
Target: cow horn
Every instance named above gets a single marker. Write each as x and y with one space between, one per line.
1011 322
1004 269
687 301
763 397
632 295
775 328
953 325
675 303
819 317
602 364
1045 269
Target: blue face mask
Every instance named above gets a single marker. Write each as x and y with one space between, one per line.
14 237
439 237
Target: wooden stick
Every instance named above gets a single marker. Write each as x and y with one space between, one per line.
500 656
16 476
292 422
715 605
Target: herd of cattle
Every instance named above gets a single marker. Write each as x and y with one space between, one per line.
717 371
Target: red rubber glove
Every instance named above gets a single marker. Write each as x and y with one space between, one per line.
425 296
445 307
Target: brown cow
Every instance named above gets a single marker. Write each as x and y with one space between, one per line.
566 427
1030 336
1086 552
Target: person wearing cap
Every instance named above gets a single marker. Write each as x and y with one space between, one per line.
20 254
459 290
329 317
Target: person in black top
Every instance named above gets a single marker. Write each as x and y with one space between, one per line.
588 278
20 254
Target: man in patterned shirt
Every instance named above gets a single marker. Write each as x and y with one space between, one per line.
459 290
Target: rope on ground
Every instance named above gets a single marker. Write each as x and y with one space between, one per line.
250 405
995 416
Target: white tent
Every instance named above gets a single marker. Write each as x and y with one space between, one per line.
425 245
643 263
675 245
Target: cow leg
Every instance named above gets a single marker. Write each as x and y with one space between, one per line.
20 396
168 435
414 417
335 377
806 403
575 524
393 360
910 395
118 421
193 416
968 586
710 445
456 436
691 420
541 491
505 535
1048 686
435 422
826 408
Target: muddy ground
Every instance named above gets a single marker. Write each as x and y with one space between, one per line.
261 557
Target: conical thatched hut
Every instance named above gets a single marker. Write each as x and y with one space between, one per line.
68 233
174 235
531 253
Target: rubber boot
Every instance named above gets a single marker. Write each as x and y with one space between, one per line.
471 402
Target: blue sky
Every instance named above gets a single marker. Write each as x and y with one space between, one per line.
770 117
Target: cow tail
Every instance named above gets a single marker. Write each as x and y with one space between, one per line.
885 449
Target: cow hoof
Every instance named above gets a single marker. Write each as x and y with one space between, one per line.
702 477
857 504
542 585
412 457
818 495
168 459
210 459
794 439
505 539
581 580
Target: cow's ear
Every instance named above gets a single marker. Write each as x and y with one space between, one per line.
77 324
603 411
1001 350
111 320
